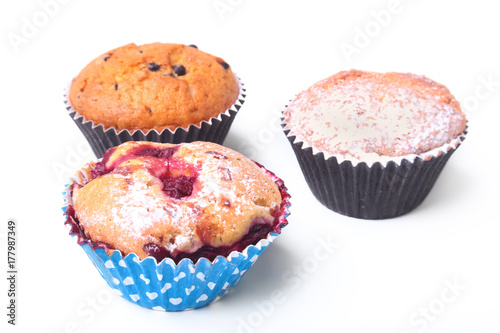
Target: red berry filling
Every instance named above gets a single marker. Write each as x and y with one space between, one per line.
178 187
178 180
174 186
257 232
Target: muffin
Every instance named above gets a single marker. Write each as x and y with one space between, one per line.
181 223
371 145
155 92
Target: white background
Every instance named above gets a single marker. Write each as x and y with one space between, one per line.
435 269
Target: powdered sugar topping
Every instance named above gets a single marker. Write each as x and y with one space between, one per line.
369 120
137 209
221 207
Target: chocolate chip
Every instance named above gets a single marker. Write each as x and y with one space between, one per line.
192 45
106 58
116 87
179 70
153 67
224 64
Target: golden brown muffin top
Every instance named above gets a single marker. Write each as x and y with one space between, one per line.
179 198
357 114
153 86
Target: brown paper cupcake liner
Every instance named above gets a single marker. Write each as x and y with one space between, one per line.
101 139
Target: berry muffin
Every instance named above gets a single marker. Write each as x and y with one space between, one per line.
193 210
150 92
371 145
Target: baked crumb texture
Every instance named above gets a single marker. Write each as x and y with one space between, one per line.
178 201
169 93
153 86
362 116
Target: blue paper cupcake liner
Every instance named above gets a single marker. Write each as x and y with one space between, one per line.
170 287
167 286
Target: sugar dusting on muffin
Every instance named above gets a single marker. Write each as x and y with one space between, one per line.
198 196
365 115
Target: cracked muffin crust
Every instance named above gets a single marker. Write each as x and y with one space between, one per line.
180 201
153 86
365 115
371 145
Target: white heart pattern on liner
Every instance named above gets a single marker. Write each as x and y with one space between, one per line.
188 291
144 279
151 296
128 281
202 298
180 276
175 301
109 264
166 287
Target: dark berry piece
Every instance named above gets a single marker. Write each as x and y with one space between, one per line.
179 70
178 187
106 58
168 152
99 170
158 252
116 87
155 152
224 64
217 155
226 173
192 45
140 51
153 67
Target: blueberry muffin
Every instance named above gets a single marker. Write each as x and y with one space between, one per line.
372 144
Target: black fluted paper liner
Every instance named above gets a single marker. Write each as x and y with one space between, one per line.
101 139
376 192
